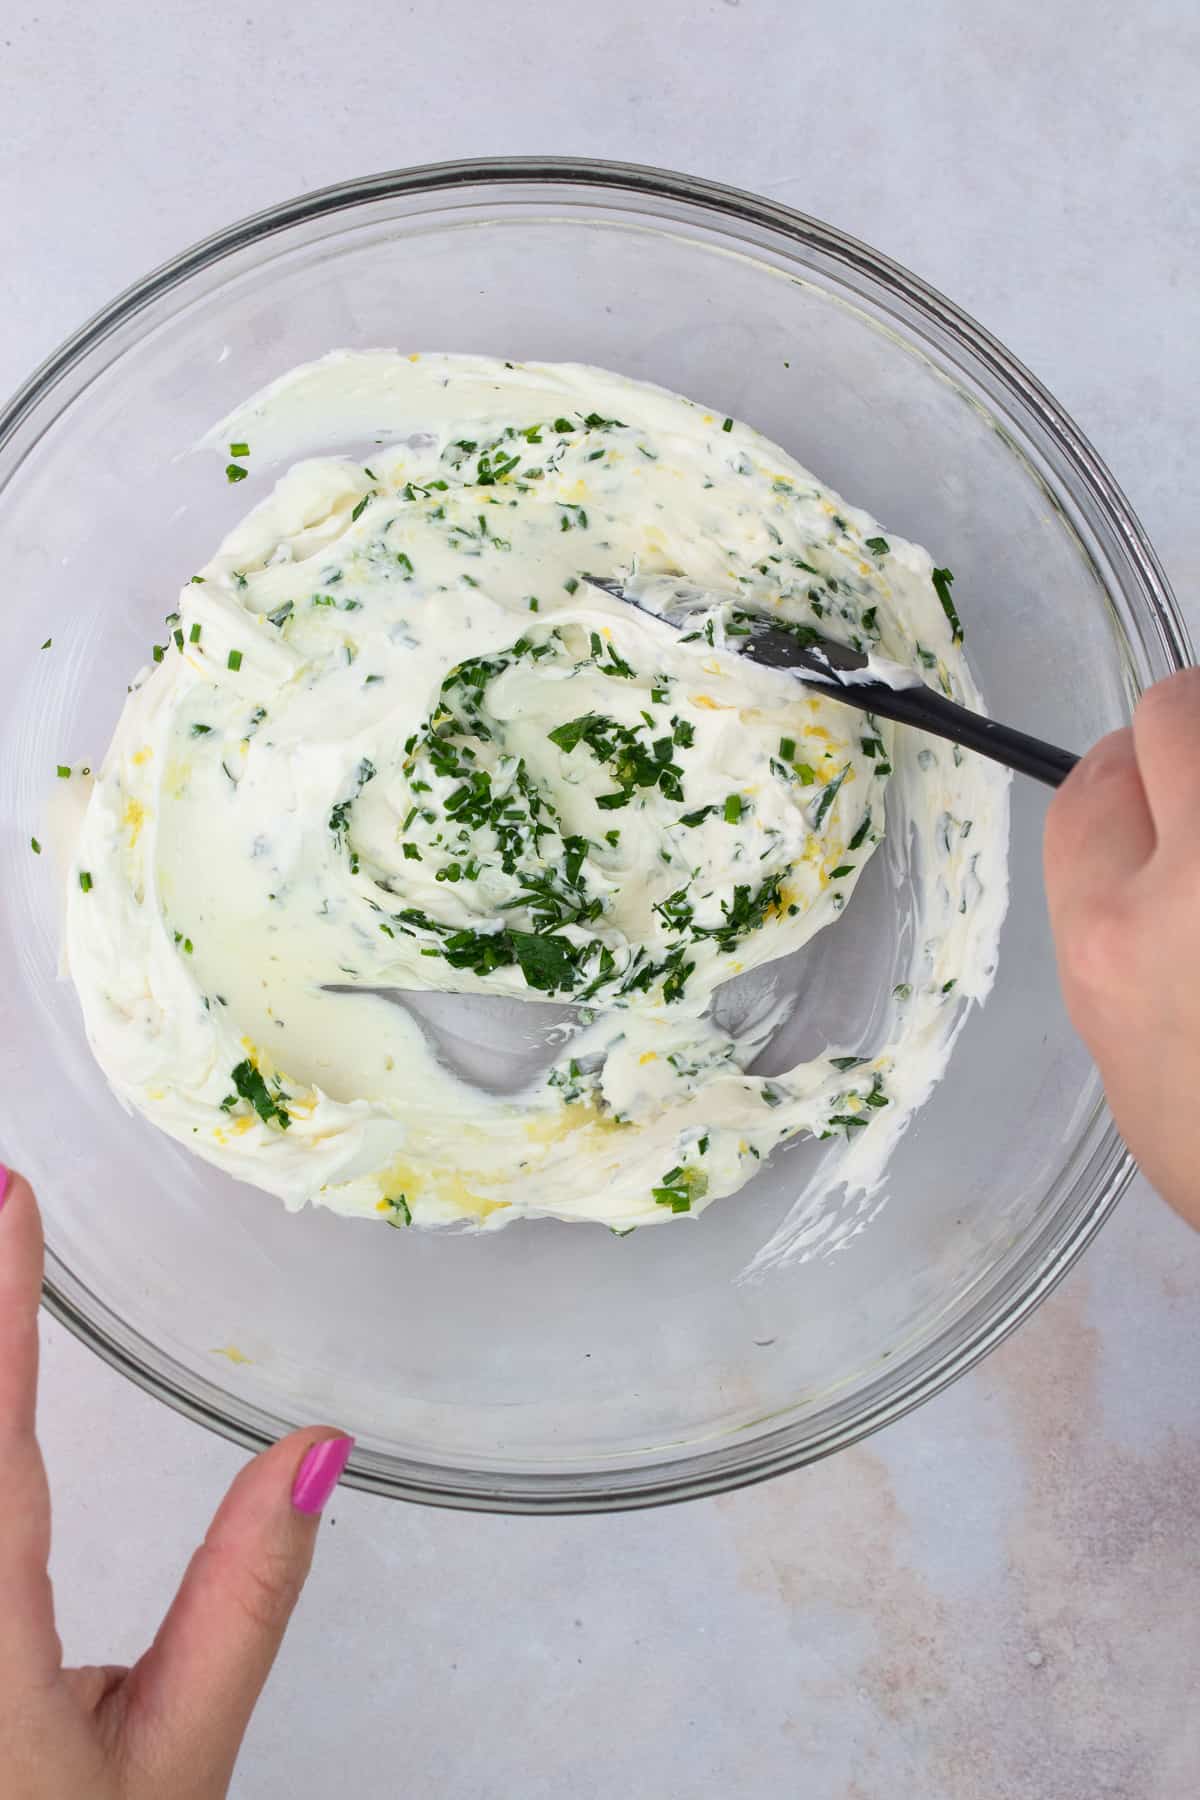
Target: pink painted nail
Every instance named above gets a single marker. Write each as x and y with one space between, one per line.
320 1473
5 1183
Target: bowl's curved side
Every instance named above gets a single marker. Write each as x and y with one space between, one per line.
1099 1167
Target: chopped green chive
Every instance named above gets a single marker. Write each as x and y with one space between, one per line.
194 634
942 579
85 881
733 808
728 425
787 748
234 660
879 546
35 846
64 772
47 643
239 449
235 472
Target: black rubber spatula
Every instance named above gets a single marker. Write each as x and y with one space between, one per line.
836 671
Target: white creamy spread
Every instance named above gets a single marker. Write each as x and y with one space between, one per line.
394 739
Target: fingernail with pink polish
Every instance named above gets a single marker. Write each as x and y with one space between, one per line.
320 1473
5 1183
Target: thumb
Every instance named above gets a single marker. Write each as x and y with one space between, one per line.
29 1646
191 1696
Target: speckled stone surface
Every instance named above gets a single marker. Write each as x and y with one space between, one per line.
999 1598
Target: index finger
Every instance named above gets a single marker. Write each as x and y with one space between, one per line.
1166 735
28 1642
1099 832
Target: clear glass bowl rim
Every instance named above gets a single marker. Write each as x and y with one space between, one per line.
1095 1189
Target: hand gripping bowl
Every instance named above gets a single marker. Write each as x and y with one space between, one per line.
550 1367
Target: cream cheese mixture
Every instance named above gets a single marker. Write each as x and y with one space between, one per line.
394 738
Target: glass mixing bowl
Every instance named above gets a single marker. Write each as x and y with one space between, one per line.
548 1366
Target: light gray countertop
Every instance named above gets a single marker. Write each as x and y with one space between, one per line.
1000 1596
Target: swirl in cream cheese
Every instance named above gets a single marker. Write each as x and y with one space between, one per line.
396 739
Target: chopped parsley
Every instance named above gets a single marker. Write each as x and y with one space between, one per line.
251 1087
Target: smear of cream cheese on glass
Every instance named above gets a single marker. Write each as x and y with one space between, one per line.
395 739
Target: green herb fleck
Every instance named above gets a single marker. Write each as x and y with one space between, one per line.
235 472
234 660
85 881
252 1088
679 1187
942 578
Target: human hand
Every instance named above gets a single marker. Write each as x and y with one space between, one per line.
1122 855
170 1727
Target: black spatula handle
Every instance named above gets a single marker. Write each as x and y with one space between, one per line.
834 669
930 711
